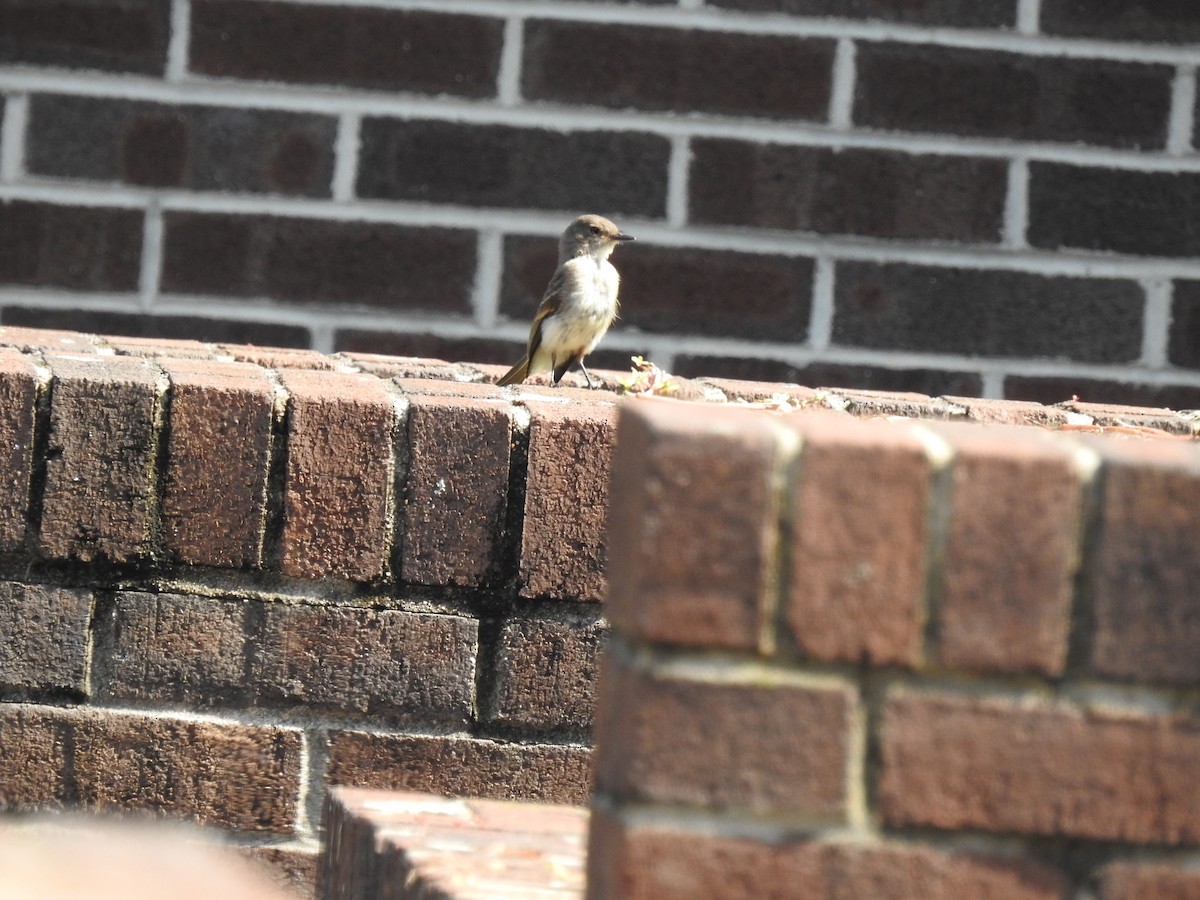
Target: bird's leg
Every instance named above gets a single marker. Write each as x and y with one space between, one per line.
586 376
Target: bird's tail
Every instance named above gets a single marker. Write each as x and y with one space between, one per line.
516 374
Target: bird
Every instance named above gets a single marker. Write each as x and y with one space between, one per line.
579 304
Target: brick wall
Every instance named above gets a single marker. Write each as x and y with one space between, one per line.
897 659
991 199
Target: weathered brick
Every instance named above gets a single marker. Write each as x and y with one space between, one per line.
859 543
1010 766
679 290
340 467
18 399
35 753
762 746
155 326
1008 412
171 648
644 861
457 490
954 13
564 548
459 766
82 248
1119 20
45 646
1116 210
218 457
159 347
986 313
546 671
110 35
769 76
100 459
1055 389
391 50
276 358
386 663
875 193
1145 606
30 339
310 261
1148 881
203 148
991 93
1185 325
394 343
495 165
293 871
693 523
1012 551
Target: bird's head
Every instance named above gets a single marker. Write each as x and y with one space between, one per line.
590 235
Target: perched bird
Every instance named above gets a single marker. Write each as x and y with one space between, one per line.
579 304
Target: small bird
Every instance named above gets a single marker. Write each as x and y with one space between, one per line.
579 304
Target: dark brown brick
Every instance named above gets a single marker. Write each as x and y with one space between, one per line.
457 490
874 193
45 647
110 35
1145 607
391 50
457 766
100 459
158 326
19 388
679 290
35 752
495 165
989 93
546 673
481 349
237 776
1185 325
83 248
1116 210
338 489
218 459
896 306
1009 609
681 70
564 550
954 13
203 148
1120 20
1148 881
859 546
171 648
932 382
1012 766
384 663
752 746
693 525
1054 389
649 861
310 261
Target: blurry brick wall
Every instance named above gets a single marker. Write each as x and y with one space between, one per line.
896 659
994 199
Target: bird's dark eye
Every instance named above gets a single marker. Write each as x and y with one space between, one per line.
594 229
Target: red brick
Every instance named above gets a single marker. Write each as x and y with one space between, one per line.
276 357
1146 609
661 862
546 672
45 645
416 367
457 490
353 341
753 745
19 388
458 766
1012 551
856 589
218 457
563 544
1008 412
385 663
100 468
693 523
293 871
480 390
1147 881
171 648
340 468
35 752
44 339
1009 766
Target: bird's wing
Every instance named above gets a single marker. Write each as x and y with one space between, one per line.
552 301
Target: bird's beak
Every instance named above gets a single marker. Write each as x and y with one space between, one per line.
622 236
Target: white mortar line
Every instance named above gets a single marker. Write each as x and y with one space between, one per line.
992 385
12 137
678 168
841 93
152 250
1183 111
345 157
177 47
1029 15
1156 327
1016 205
489 270
508 78
820 324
